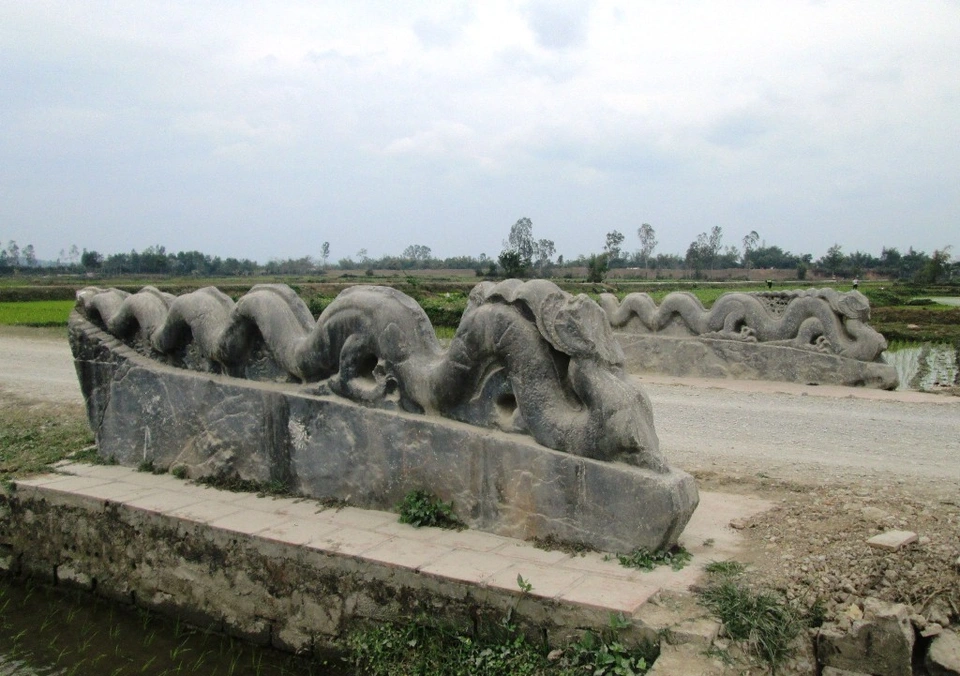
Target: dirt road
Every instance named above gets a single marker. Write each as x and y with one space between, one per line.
36 363
749 428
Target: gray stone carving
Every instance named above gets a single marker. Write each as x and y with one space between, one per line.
812 335
356 403
527 356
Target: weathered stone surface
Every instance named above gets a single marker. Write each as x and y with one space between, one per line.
818 319
892 540
880 644
943 656
527 356
327 447
814 335
713 358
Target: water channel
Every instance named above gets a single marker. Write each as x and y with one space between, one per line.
47 631
925 367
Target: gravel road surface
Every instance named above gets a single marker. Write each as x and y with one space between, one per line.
785 431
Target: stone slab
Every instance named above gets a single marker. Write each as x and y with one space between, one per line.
892 540
713 358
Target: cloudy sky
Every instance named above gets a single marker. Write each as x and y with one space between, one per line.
262 129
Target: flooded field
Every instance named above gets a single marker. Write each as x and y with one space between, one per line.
924 367
45 631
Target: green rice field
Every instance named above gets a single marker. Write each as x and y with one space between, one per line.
36 313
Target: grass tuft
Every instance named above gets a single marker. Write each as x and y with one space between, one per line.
762 619
725 568
236 484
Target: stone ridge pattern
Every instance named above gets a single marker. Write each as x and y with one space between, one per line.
527 356
824 320
314 442
817 336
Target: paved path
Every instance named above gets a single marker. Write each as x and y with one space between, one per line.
470 557
37 364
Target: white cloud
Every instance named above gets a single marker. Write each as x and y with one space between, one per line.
587 116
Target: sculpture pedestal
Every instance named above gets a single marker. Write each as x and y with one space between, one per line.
714 358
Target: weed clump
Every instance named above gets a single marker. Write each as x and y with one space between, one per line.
762 619
643 559
424 646
420 508
725 568
235 484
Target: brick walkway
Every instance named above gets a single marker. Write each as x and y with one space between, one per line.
591 580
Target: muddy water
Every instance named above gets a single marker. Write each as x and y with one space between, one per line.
925 367
45 631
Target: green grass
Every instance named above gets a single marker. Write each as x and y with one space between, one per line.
35 434
761 618
425 646
36 313
725 568
643 559
420 508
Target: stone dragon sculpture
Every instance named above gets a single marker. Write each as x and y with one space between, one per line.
527 357
818 319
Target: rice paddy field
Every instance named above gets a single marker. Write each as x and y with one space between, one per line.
35 313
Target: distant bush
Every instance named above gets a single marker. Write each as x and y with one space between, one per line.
318 304
444 310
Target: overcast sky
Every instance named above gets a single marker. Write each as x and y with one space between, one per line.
261 129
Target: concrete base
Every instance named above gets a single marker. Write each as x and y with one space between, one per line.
716 358
295 574
327 447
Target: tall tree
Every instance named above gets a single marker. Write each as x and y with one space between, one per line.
648 242
750 241
29 256
418 253
699 254
325 253
937 268
612 247
832 261
517 255
13 253
91 260
715 242
543 254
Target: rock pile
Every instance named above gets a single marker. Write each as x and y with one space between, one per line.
880 568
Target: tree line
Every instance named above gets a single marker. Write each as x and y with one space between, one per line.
522 255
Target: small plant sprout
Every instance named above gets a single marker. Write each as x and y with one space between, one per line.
525 585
